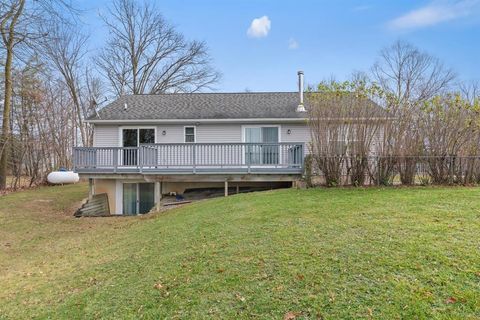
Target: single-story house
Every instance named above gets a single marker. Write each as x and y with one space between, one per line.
146 146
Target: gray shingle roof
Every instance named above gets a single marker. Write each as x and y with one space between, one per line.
203 106
173 106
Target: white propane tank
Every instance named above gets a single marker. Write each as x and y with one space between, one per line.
63 177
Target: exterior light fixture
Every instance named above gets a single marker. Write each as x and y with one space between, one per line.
164 133
289 131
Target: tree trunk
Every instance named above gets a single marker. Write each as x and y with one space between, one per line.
7 104
8 36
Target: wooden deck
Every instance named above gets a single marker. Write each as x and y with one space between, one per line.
192 158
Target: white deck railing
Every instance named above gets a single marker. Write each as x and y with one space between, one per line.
192 158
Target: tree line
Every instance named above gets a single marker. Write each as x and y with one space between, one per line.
52 81
409 110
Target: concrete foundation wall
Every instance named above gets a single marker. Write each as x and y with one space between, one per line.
107 186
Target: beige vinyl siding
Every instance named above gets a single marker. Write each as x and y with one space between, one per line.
106 136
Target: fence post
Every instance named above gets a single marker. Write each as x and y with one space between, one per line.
379 166
452 169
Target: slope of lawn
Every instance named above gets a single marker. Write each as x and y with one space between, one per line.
393 253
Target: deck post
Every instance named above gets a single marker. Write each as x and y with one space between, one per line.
226 188
238 189
158 195
91 190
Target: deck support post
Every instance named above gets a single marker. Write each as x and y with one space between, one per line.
226 188
238 189
91 189
158 195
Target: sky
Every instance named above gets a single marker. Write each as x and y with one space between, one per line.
259 45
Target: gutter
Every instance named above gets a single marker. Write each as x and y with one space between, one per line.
160 121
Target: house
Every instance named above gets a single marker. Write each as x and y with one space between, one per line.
146 146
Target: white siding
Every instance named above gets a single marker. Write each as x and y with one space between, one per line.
173 133
109 135
106 136
219 133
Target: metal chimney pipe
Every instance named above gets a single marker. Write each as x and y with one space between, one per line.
301 107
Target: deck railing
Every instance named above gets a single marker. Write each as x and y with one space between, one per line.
193 158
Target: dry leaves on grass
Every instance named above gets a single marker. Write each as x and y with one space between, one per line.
291 315
370 312
239 297
451 300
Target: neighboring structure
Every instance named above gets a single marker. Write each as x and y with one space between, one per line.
146 146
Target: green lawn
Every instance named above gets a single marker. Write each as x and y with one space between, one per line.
406 253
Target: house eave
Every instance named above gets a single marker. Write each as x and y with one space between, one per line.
181 121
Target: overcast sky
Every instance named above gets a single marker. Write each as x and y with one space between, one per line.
260 44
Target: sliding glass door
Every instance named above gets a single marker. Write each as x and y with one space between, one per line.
132 138
138 198
146 197
129 198
253 152
261 152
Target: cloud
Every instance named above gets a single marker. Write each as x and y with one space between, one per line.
434 13
292 44
259 28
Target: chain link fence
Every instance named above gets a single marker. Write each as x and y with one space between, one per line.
391 170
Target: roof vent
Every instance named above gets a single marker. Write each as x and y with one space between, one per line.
300 107
125 106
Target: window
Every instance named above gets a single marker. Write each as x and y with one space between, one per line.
131 139
135 137
189 134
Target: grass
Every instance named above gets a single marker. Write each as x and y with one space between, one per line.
395 253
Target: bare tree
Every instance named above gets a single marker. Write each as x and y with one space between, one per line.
409 74
144 54
19 24
409 77
64 50
470 90
9 15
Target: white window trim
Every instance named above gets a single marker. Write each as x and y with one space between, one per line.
120 133
194 134
248 126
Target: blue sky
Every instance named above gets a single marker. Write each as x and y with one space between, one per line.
323 38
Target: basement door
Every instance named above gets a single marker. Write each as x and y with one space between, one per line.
138 198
